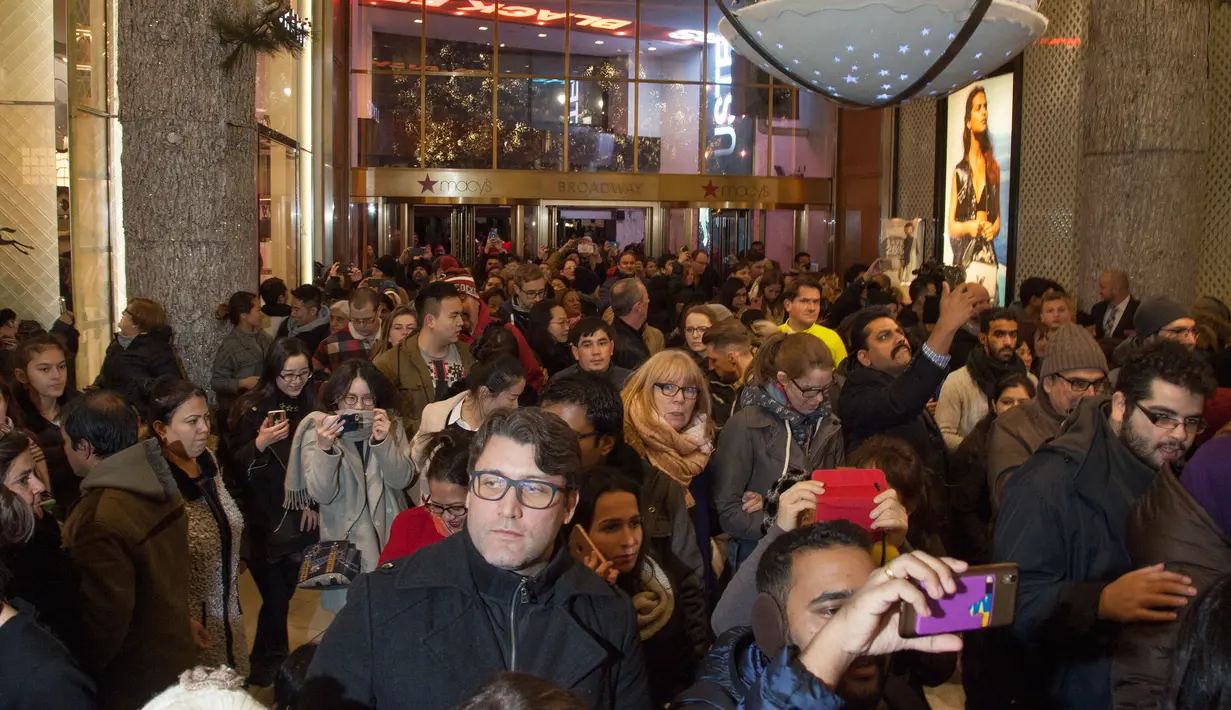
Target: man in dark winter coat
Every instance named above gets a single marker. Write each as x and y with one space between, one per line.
128 536
888 390
427 630
1063 522
308 321
819 591
630 305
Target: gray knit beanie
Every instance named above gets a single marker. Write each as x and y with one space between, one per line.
1155 313
1071 347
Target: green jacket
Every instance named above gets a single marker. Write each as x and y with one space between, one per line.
406 369
128 536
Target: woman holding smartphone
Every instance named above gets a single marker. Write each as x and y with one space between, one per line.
671 613
351 457
260 443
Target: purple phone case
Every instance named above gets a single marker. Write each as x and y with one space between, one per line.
970 608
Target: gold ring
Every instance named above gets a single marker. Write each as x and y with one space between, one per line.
889 573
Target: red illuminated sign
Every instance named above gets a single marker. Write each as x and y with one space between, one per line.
528 15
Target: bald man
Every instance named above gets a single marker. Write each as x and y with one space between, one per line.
967 337
1113 314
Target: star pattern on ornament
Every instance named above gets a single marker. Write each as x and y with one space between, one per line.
902 77
882 97
886 86
855 67
850 79
711 190
884 72
876 55
927 52
850 47
952 36
427 185
904 49
924 32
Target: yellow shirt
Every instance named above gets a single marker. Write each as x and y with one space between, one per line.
827 336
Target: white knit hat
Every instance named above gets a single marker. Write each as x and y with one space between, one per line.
206 689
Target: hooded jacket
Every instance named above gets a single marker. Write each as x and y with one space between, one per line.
128 536
129 370
445 621
1064 521
1167 525
738 674
311 334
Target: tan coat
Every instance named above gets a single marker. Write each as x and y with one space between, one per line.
405 368
1019 433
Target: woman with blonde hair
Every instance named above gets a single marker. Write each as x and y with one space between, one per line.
400 323
667 427
667 415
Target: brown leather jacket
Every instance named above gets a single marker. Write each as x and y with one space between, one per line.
1167 525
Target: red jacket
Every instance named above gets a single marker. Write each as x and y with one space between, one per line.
412 530
535 376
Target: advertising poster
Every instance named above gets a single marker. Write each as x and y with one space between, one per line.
901 248
978 178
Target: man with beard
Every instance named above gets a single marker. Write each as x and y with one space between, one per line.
809 583
728 355
966 394
1063 522
887 389
1074 369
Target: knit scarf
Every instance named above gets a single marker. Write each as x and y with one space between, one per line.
293 327
681 455
772 398
985 371
655 603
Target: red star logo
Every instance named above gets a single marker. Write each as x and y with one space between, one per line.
427 185
711 190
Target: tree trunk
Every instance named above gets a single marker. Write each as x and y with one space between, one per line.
1144 140
188 168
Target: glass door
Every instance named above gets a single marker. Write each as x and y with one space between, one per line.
278 208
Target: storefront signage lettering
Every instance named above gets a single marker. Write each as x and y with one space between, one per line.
723 132
520 12
581 188
454 187
735 192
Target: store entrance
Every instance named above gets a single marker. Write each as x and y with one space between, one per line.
619 226
460 230
725 233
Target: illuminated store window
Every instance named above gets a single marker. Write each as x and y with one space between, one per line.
531 124
600 122
603 42
459 122
672 40
387 120
669 128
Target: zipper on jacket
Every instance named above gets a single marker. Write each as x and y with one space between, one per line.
524 596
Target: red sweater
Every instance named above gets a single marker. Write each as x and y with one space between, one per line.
412 530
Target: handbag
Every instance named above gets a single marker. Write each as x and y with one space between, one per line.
332 564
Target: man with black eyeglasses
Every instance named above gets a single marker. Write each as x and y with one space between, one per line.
426 631
1063 521
1074 369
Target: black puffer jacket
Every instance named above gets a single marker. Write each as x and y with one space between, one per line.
1167 525
129 370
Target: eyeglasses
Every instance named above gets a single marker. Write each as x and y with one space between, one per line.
810 392
1166 422
300 376
363 321
670 390
351 400
1079 386
1180 332
696 330
491 486
455 511
536 293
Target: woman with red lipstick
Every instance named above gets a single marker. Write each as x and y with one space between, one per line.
671 612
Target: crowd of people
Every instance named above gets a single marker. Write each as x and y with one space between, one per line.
585 480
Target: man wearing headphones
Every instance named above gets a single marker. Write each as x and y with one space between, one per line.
819 590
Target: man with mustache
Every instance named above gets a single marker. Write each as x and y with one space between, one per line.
966 394
1074 369
887 389
1063 522
504 594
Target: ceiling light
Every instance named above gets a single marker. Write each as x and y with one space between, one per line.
598 41
560 98
418 22
542 34
652 48
482 28
911 41
287 91
502 45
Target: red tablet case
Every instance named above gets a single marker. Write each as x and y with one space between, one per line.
848 494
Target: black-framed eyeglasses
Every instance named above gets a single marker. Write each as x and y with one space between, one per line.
1167 422
536 293
1180 332
1080 386
363 321
492 486
670 390
455 511
810 392
696 330
300 376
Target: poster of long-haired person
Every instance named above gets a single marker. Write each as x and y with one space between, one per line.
979 181
901 248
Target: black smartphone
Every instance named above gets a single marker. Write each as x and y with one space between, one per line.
350 422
